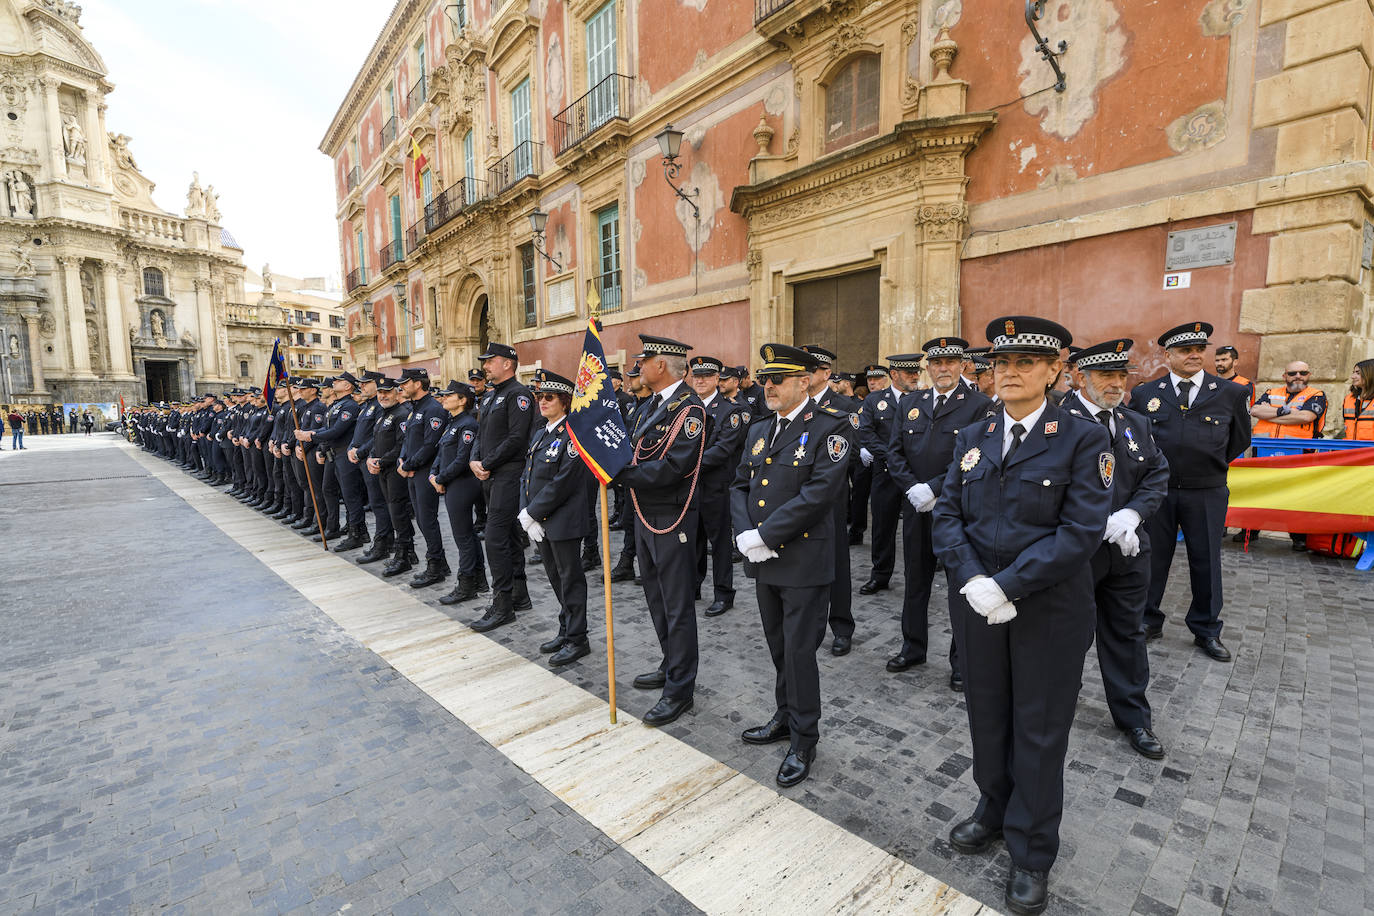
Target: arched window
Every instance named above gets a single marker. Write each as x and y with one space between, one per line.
152 282
243 370
851 103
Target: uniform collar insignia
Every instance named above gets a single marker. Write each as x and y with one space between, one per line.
1051 428
806 416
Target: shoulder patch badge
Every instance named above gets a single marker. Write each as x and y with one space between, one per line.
854 420
837 447
734 421
522 402
467 436
744 415
1153 405
693 427
435 423
970 459
1106 463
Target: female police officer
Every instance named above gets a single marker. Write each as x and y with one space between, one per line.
1023 508
452 476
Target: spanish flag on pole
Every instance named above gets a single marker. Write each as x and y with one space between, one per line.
1317 493
421 163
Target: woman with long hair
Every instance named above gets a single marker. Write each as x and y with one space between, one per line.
1358 409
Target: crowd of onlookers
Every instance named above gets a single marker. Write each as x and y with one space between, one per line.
42 420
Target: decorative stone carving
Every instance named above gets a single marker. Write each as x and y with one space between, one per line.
195 197
47 325
267 279
835 197
1220 17
763 135
19 198
942 53
942 222
159 329
211 204
24 267
1200 129
73 139
848 36
88 289
14 346
123 157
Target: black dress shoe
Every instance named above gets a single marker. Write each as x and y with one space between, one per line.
654 680
521 602
971 836
553 645
795 767
719 607
1154 633
841 645
902 662
1213 647
666 710
872 587
1027 891
1144 743
774 730
956 682
570 653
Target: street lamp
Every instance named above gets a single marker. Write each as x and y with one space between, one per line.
538 220
669 145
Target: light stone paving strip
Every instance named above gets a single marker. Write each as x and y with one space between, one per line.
717 837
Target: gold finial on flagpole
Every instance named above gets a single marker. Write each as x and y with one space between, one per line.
593 301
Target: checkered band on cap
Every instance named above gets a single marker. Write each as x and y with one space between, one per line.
951 349
909 365
1039 341
547 381
1184 338
705 365
1103 361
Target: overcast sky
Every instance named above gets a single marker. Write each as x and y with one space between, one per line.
241 91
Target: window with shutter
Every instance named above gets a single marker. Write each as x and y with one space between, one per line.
602 102
520 129
851 103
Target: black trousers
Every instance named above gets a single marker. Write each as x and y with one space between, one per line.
794 627
460 499
887 508
714 537
841 592
315 470
351 488
918 573
424 499
1202 516
398 505
667 564
376 499
860 488
259 462
330 490
505 556
1021 688
1121 586
563 564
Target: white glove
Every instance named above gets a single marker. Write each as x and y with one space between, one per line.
983 594
1120 523
1129 543
525 519
1003 613
536 532
865 456
749 540
922 497
759 554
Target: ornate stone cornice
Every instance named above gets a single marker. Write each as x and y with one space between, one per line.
364 85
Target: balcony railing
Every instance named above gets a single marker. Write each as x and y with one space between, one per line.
388 131
525 160
765 8
356 277
607 101
608 288
417 96
415 235
391 253
454 199
355 177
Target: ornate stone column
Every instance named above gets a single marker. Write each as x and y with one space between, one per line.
53 115
205 318
35 352
121 360
76 317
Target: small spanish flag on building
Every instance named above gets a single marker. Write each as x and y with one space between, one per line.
421 163
1317 493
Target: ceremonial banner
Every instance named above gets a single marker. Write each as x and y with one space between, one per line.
1318 493
595 425
276 373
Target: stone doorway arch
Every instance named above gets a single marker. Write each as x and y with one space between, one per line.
466 325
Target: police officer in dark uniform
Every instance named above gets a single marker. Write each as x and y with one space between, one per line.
919 456
669 437
751 394
624 569
338 438
556 514
336 430
860 474
478 381
383 456
1121 565
1201 423
452 476
359 448
1019 517
423 430
506 422
841 613
876 418
782 502
311 419
728 422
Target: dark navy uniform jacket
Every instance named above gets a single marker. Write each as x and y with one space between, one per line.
876 416
664 476
386 443
788 489
1024 523
508 419
369 412
312 417
1201 441
423 429
1142 472
553 487
922 443
455 449
729 421
338 431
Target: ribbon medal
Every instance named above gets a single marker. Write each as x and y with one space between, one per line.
1130 440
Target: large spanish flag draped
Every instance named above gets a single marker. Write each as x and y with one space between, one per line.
1318 493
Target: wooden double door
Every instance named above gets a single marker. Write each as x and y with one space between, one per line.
840 314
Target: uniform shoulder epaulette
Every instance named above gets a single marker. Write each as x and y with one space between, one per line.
677 402
835 412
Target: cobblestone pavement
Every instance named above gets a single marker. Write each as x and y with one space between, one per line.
1258 808
181 732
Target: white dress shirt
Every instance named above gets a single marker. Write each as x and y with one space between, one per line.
1028 423
1195 379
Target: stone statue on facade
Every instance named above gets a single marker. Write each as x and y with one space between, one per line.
211 204
123 157
14 346
73 139
20 193
267 279
25 266
155 322
87 289
195 197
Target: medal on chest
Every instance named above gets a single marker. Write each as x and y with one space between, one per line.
1129 436
970 459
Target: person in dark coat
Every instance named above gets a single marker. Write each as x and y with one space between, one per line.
452 476
555 513
727 423
1021 513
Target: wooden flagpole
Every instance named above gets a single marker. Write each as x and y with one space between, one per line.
594 308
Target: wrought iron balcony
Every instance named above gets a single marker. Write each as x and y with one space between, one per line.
418 95
356 277
607 101
454 199
608 288
525 160
389 132
415 235
391 253
765 8
355 177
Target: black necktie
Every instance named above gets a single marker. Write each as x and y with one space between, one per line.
1184 388
1017 431
649 409
782 428
940 402
1105 418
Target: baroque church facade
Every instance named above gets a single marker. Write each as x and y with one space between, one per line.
103 294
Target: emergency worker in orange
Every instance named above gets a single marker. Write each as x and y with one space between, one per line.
1293 410
1226 358
1358 409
